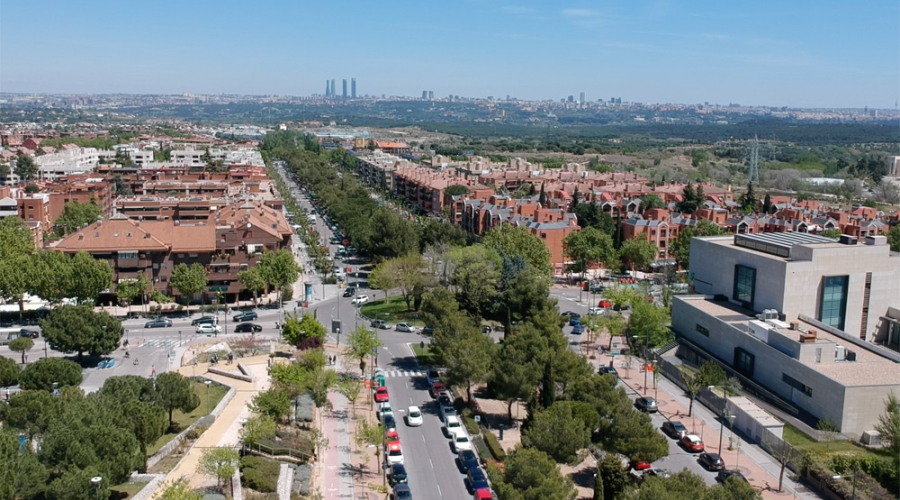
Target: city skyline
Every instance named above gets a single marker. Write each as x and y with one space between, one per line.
824 56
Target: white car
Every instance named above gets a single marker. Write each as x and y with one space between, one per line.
360 299
453 427
596 311
414 417
461 442
384 409
405 327
209 329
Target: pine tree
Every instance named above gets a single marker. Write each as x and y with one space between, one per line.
543 197
574 200
701 197
767 205
748 201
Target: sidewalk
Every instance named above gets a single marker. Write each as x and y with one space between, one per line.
756 465
334 471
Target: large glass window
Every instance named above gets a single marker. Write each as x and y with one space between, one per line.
744 362
834 301
744 285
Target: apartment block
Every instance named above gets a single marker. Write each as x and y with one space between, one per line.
812 321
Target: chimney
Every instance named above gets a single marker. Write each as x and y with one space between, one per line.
794 325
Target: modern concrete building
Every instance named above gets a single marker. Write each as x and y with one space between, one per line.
812 321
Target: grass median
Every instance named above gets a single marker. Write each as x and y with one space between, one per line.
424 355
182 420
393 310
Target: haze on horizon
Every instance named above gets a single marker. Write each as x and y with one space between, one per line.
798 54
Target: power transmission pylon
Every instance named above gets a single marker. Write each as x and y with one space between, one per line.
753 174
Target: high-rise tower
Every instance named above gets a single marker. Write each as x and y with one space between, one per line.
327 88
344 94
353 88
333 93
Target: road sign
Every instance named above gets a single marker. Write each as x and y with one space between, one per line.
615 353
346 242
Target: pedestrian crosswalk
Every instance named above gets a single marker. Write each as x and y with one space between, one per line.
403 373
162 342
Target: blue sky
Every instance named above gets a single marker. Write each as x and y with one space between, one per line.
783 53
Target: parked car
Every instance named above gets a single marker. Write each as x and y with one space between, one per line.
401 492
723 476
389 423
414 416
608 370
711 461
444 399
692 443
350 291
578 329
360 299
246 316
646 404
436 388
393 453
381 395
574 319
476 479
428 330
640 464
674 428
447 411
380 324
596 311
383 409
431 376
596 288
397 474
247 328
460 442
207 328
452 427
158 323
661 473
405 327
487 329
466 461
30 334
205 320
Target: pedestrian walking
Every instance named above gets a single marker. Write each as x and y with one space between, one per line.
152 370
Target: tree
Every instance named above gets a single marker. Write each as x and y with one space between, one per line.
370 434
651 201
9 372
80 329
559 432
465 352
16 238
733 489
542 198
350 387
188 280
615 478
693 386
575 199
456 190
587 246
23 476
253 281
396 235
23 345
681 247
411 274
220 463
690 201
279 268
14 282
515 373
274 403
75 215
649 321
768 207
517 240
748 200
50 275
129 290
832 233
632 434
175 392
43 373
26 169
256 428
296 331
712 374
683 485
147 422
638 252
529 474
437 232
179 489
90 277
475 277
893 238
362 343
889 426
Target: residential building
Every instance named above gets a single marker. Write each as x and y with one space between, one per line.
810 321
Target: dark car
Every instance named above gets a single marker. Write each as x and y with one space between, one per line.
397 474
205 320
674 429
608 370
246 316
30 334
476 479
389 423
158 323
466 461
350 291
247 328
428 330
646 404
574 319
401 492
723 476
578 329
444 400
380 324
711 461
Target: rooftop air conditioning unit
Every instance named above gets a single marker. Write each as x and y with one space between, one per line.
840 353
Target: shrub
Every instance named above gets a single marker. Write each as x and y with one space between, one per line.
471 425
260 474
494 446
195 432
310 343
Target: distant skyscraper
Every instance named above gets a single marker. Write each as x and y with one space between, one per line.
327 88
571 98
333 93
581 98
424 95
431 94
353 88
345 89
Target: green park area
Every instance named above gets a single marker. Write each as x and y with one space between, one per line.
181 420
424 355
393 310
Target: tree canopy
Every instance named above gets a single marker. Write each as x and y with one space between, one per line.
516 240
75 215
188 280
79 329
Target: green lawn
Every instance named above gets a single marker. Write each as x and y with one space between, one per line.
183 420
126 490
392 311
802 442
423 356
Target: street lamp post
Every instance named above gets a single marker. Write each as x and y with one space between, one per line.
179 337
208 383
646 346
726 415
96 480
853 495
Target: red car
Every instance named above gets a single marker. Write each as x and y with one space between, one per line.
604 303
381 395
391 437
436 388
640 464
692 442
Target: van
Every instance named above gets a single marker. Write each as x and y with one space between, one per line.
7 335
